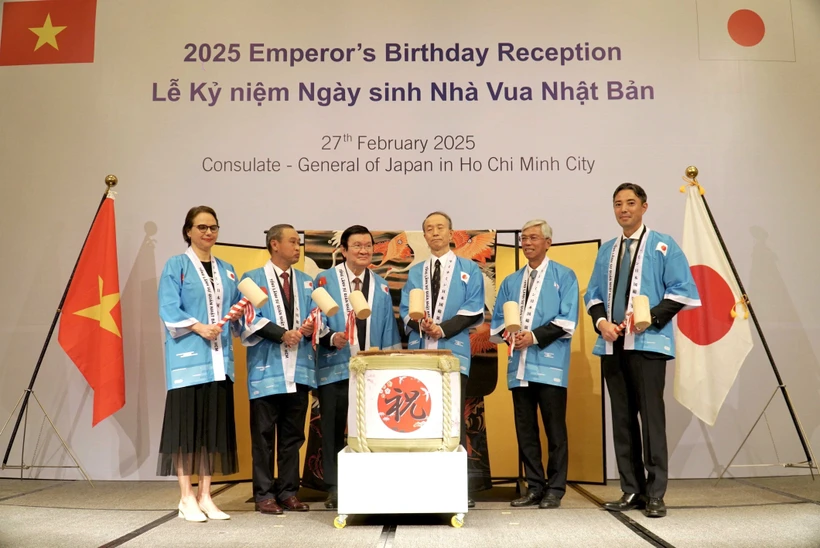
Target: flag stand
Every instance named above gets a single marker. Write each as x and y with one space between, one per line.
23 466
810 462
110 181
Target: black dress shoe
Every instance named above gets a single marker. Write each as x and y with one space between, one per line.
332 501
470 502
629 501
530 499
655 508
550 501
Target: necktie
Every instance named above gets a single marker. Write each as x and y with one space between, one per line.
361 325
286 286
619 298
436 284
530 282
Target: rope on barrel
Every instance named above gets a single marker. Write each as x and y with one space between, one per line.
359 366
446 365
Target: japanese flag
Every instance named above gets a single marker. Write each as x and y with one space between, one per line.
714 339
753 30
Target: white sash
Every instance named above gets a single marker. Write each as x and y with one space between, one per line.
213 301
281 318
448 261
634 286
529 306
344 286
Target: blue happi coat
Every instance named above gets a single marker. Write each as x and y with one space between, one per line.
383 333
660 271
465 297
272 368
557 303
183 301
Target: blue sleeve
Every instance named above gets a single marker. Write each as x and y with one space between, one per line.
567 317
177 321
497 323
679 285
404 306
595 293
474 298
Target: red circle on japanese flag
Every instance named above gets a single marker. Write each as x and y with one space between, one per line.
713 319
746 28
404 404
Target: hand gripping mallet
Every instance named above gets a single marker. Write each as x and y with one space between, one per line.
251 294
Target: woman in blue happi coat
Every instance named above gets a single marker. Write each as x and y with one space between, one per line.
198 432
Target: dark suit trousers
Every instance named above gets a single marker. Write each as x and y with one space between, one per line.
635 381
552 400
282 415
333 411
464 379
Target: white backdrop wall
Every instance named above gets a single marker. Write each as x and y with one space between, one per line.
751 126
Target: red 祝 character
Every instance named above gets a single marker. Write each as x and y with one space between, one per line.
404 404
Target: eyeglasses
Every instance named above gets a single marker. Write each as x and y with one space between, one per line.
205 228
533 239
360 247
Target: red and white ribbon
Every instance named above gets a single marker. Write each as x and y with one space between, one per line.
627 326
509 338
316 316
350 328
236 310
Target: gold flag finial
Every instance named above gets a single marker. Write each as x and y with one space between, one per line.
691 178
110 181
692 172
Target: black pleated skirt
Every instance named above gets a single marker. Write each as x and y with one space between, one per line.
198 431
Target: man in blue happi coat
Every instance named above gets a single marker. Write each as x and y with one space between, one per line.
340 341
640 261
538 368
281 371
454 301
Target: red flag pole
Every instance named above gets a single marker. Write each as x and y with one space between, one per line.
110 181
692 173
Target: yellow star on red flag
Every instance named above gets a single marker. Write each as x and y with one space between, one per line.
102 312
47 34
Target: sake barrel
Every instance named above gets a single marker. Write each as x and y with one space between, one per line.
404 401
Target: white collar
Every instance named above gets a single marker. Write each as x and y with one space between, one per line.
279 271
352 276
445 259
540 267
635 235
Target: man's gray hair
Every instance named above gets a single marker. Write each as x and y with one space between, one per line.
546 229
449 220
275 233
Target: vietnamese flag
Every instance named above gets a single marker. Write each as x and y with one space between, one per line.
91 321
48 32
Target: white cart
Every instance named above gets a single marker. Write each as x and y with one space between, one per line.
402 483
